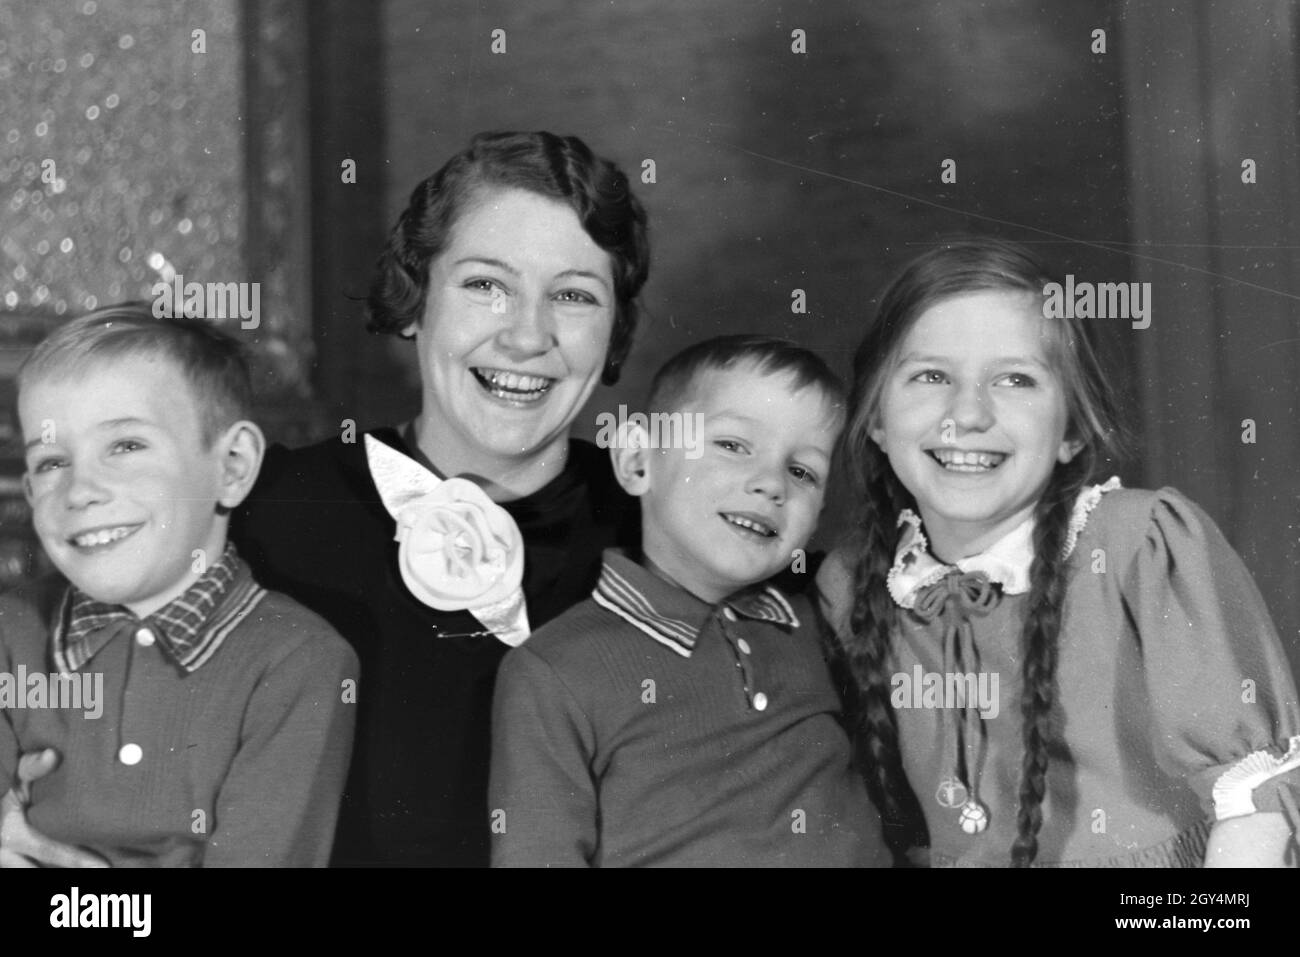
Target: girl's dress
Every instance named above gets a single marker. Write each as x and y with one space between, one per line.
1173 703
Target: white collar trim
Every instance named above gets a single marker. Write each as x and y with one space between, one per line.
1006 561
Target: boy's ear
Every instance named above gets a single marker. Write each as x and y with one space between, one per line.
241 448
630 455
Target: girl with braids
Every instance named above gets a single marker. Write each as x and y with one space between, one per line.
1065 673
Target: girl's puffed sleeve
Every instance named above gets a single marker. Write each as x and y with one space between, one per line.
1223 703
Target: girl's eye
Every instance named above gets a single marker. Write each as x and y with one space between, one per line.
1019 380
807 476
127 445
48 465
729 445
930 377
576 296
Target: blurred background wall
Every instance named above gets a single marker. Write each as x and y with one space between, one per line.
775 170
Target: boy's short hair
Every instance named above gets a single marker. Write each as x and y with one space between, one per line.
213 363
679 377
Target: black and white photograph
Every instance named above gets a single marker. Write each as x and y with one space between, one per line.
702 434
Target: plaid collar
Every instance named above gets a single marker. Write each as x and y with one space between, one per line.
190 627
672 616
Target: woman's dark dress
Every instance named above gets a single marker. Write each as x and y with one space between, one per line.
316 529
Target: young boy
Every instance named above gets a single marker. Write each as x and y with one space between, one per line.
200 719
684 715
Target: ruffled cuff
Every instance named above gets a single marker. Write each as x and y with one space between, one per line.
1261 781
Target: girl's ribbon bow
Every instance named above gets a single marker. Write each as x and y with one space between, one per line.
969 593
957 597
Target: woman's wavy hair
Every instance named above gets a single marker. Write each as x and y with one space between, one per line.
961 266
558 167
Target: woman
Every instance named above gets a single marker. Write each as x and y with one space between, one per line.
514 270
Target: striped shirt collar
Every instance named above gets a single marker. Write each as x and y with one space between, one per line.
670 615
190 628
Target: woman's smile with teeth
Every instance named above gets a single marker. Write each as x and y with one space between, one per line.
102 536
512 385
752 524
958 461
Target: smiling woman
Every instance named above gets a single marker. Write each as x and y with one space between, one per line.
514 270
518 313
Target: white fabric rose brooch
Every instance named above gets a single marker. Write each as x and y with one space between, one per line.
457 549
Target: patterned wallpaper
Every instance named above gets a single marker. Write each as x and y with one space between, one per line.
120 149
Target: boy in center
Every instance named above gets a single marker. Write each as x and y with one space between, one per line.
684 715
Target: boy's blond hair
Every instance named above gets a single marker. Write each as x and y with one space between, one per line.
214 364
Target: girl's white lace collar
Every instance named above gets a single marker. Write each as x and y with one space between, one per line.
1006 561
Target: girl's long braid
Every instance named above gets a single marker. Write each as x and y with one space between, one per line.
867 651
1040 645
